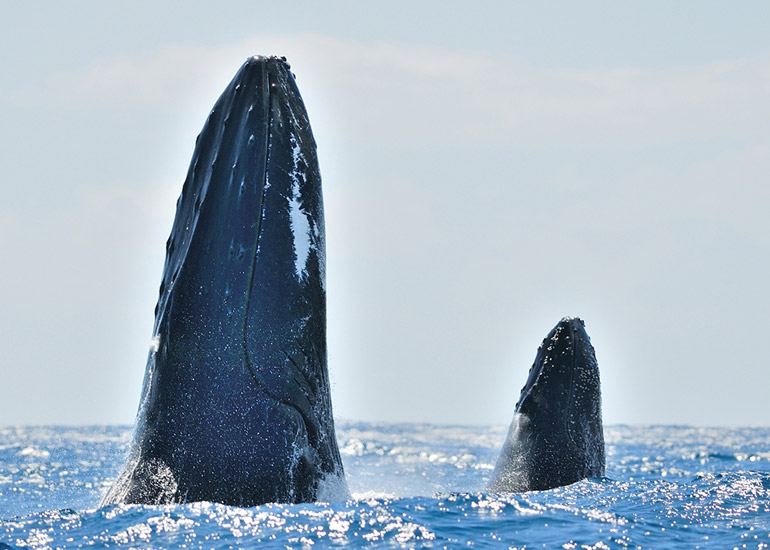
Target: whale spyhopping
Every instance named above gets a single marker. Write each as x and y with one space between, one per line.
235 406
556 437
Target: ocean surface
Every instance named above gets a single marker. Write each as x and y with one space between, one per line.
412 486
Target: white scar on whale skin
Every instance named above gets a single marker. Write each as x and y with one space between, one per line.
298 218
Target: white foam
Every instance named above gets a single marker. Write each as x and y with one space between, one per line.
333 488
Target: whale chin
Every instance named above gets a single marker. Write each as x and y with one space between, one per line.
235 406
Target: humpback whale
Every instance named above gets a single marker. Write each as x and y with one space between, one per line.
556 437
235 406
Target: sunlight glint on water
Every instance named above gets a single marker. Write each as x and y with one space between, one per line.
413 486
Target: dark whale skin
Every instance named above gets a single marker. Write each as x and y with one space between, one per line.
236 404
556 437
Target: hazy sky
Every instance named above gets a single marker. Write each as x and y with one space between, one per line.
488 168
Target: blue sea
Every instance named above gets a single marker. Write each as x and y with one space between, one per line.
412 486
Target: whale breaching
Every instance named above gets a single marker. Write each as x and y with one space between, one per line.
235 406
556 437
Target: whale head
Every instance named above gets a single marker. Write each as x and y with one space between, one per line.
236 405
556 436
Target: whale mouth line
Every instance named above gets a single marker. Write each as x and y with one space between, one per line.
307 421
268 123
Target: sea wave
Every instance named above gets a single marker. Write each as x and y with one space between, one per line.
412 486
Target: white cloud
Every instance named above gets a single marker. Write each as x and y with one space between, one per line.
150 203
427 95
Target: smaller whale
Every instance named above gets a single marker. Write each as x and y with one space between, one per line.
556 437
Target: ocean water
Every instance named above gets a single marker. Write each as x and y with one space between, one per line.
413 486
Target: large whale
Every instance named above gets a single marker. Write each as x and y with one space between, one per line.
556 437
235 406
